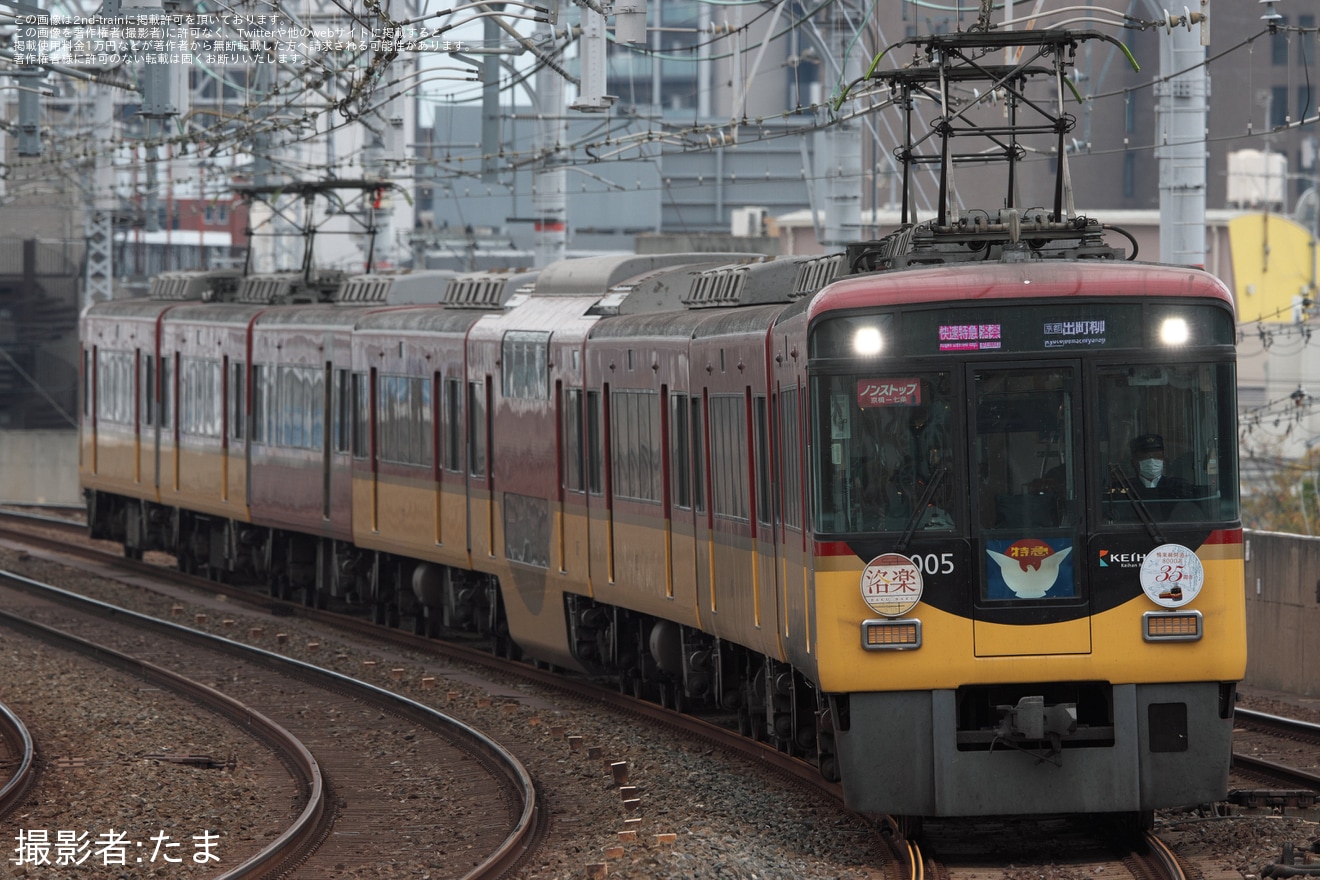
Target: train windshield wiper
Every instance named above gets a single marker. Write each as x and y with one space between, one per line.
1143 512
920 511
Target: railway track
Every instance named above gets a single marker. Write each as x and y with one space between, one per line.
1278 751
18 764
1061 847
900 856
347 814
1148 859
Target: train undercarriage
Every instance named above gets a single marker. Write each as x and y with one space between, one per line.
651 658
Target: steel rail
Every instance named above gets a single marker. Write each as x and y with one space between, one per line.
522 837
13 792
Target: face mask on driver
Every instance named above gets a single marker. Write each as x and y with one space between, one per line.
1151 468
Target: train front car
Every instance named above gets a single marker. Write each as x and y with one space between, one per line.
1028 573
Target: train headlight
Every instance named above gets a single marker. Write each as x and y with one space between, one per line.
868 342
891 635
1174 331
1171 626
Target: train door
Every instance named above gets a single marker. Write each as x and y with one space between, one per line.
226 415
169 425
327 432
1027 504
766 576
703 528
600 522
574 529
237 445
795 627
146 432
366 404
684 471
89 407
481 497
737 568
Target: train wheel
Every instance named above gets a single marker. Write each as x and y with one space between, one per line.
672 697
1137 821
909 827
744 721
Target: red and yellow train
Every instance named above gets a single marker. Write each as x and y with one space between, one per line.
894 519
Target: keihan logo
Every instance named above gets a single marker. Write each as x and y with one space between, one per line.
1120 560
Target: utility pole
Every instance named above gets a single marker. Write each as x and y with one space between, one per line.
99 224
1183 91
840 162
549 180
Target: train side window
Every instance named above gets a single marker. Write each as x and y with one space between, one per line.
680 441
199 397
405 420
525 360
289 408
728 456
572 440
114 387
635 445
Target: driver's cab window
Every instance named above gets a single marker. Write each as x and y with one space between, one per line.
888 463
1165 444
1025 426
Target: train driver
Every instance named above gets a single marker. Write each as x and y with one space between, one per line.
1148 461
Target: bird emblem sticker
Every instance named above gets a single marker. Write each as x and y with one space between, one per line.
1029 568
1171 575
891 584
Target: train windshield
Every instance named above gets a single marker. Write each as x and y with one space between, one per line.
888 462
1053 446
1166 447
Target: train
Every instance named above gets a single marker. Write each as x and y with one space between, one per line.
885 507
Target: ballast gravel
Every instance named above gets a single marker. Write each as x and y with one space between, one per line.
697 813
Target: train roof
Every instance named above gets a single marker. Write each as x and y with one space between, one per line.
329 316
418 320
596 275
489 290
213 313
1047 279
137 307
205 285
633 285
418 286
